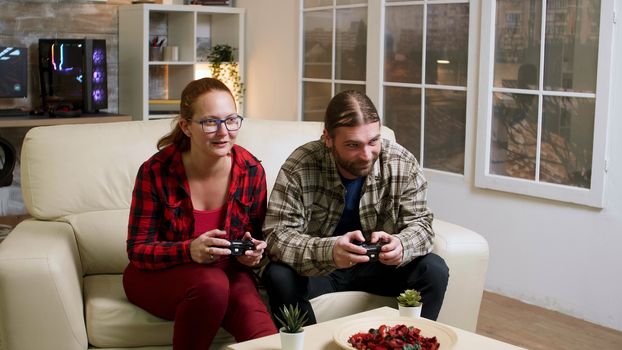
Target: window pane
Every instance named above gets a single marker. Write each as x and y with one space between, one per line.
318 44
517 42
317 3
315 99
343 87
402 113
447 44
567 141
403 43
571 47
445 119
351 44
513 135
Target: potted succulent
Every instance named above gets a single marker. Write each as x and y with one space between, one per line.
409 303
291 332
224 68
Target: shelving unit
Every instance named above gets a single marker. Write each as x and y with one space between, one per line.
151 89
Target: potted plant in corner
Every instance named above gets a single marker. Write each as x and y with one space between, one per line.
409 303
291 332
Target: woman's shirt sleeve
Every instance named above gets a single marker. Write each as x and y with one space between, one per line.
146 248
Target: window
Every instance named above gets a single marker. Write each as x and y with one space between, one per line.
334 52
544 98
412 62
425 79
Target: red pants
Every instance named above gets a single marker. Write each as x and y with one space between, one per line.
201 299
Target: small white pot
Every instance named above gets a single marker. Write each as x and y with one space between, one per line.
292 341
410 311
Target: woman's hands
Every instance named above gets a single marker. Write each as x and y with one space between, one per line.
209 246
252 257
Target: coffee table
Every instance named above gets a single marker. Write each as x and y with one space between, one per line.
320 336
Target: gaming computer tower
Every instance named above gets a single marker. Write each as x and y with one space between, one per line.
73 76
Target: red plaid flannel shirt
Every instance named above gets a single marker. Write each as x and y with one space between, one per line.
161 222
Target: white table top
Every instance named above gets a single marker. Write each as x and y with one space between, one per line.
320 336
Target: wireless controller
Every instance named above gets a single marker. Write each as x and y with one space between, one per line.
373 249
239 247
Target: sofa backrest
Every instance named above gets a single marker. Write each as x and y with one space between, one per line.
84 174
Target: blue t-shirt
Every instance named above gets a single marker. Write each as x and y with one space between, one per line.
350 219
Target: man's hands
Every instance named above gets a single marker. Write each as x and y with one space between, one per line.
392 252
347 254
209 246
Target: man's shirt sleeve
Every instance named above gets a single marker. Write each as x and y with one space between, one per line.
286 227
415 218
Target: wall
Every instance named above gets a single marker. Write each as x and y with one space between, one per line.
559 256
271 58
555 255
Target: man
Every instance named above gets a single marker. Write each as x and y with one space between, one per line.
351 185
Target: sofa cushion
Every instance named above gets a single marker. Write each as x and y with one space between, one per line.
334 305
101 239
66 169
98 173
112 321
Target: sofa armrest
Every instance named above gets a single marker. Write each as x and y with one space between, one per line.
41 304
466 254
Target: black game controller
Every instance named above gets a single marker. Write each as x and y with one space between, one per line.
373 249
239 246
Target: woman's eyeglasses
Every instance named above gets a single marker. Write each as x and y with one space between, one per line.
232 123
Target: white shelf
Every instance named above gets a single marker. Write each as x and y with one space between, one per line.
192 28
172 63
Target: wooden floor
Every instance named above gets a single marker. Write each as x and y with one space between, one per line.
535 328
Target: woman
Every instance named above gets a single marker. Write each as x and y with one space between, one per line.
196 194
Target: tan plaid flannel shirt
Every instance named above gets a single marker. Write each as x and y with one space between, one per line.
308 198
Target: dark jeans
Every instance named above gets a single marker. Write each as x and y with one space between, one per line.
428 274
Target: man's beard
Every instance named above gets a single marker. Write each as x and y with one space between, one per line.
356 167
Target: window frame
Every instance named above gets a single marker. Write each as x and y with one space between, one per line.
595 195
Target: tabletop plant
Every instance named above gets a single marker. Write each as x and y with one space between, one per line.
292 319
409 298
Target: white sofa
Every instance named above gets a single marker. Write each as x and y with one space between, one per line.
60 271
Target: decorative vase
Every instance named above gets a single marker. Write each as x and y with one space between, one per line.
292 341
410 311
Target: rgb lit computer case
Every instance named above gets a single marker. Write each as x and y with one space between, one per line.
73 74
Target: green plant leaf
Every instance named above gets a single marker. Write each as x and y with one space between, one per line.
409 298
291 318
